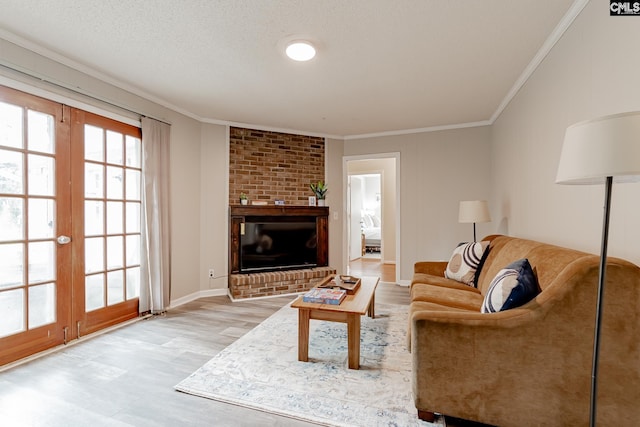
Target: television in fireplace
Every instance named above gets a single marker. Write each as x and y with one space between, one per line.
272 243
273 238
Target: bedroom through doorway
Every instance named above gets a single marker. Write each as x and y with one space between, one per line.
371 227
366 216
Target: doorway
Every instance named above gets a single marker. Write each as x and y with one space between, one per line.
372 209
365 202
70 215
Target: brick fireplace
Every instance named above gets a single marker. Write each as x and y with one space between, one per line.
269 166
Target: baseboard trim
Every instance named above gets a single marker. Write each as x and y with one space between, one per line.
196 295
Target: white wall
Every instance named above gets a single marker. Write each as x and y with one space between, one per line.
372 195
335 200
592 71
437 170
185 207
214 208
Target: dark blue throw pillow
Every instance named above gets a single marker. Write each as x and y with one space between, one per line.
513 286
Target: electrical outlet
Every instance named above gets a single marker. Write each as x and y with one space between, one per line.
211 275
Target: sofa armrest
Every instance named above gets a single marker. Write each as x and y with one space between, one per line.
472 365
435 268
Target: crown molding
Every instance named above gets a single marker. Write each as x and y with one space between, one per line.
549 43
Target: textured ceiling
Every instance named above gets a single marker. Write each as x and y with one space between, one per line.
382 65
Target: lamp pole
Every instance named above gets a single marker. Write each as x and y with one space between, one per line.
601 282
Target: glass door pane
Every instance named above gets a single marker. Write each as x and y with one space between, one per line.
111 205
33 173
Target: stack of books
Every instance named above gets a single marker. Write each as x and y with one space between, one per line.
325 296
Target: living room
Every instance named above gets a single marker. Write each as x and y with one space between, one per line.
509 158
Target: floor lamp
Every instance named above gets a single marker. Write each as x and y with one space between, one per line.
599 151
474 211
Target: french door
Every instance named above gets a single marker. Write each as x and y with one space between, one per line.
69 223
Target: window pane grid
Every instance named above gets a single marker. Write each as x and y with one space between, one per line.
27 219
112 217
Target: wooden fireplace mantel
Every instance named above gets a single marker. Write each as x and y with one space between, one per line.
237 214
275 210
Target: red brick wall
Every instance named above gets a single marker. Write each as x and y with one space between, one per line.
276 282
271 165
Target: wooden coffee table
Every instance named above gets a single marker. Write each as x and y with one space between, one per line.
349 312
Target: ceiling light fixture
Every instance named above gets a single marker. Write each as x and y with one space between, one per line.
300 50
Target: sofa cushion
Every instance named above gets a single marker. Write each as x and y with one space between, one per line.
470 300
432 280
464 262
513 286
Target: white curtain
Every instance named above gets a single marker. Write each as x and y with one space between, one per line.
155 283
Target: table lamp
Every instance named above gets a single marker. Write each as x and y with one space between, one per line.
474 211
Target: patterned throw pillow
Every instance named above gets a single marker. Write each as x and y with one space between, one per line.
465 261
513 286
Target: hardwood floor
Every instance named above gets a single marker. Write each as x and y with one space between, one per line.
125 377
373 267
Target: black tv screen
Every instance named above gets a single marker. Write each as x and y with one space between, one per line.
269 245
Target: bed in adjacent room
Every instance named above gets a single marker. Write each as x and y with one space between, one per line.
372 232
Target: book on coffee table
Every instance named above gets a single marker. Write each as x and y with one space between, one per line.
348 283
325 296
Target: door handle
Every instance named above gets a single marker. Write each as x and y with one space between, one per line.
63 240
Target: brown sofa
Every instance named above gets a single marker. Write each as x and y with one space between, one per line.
531 365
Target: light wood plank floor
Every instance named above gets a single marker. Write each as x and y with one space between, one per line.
373 267
126 376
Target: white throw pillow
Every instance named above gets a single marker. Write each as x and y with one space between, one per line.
464 262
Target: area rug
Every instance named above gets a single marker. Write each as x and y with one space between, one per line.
261 371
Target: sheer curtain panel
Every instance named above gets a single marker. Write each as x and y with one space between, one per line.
155 286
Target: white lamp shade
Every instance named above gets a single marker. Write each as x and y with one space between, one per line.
474 211
596 149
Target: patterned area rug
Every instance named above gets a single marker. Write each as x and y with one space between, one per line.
261 371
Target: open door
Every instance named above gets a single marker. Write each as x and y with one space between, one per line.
354 200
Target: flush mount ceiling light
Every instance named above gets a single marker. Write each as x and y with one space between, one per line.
300 50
